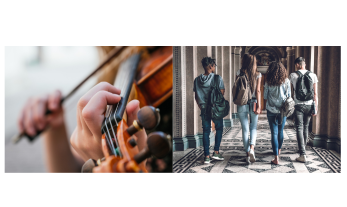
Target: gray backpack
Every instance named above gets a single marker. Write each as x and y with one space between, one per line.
287 108
241 90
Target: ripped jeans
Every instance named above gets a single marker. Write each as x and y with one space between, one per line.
243 112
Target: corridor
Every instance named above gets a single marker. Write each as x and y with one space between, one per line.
319 160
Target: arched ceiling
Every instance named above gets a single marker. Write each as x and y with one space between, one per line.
271 51
276 51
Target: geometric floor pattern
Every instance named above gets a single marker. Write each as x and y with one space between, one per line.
318 160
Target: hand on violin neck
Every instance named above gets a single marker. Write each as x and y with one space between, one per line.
86 139
33 118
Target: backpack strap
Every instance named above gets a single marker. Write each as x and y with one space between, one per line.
299 73
307 73
216 80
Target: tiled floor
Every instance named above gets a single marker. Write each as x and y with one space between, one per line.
319 160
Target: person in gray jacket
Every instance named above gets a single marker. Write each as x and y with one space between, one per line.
276 90
202 89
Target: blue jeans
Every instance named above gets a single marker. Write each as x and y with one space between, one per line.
243 112
206 126
276 130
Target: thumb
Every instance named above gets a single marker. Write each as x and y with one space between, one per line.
132 108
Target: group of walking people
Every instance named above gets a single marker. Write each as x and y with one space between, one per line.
277 89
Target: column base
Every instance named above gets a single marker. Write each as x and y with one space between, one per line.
193 141
212 138
180 144
201 141
227 122
329 143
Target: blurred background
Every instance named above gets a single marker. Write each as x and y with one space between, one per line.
34 71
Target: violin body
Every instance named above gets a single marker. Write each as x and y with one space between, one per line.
154 79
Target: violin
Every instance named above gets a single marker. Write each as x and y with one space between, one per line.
120 149
118 139
126 157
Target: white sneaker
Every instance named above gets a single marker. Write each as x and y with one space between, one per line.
302 158
252 155
247 160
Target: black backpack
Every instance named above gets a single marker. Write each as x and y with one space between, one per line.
219 106
304 87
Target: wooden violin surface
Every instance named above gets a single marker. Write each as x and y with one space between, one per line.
154 78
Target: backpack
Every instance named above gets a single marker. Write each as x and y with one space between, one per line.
219 106
241 90
304 87
288 107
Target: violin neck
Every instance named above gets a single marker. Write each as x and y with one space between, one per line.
124 81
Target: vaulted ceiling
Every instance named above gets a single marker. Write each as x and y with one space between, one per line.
276 52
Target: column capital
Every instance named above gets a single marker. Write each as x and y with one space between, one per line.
237 50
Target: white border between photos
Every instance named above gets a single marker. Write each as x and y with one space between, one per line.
184 23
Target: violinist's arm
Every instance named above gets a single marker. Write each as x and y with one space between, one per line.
58 155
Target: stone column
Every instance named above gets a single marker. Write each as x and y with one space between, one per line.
232 79
299 51
188 97
327 124
226 64
180 143
219 60
307 56
284 62
209 51
290 61
313 68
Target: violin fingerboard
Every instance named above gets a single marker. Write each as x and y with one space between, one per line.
124 81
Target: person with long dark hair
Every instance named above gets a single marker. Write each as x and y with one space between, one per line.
276 90
249 68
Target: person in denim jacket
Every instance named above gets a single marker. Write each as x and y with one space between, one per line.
276 90
249 67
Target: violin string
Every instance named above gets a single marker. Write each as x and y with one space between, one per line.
114 114
115 138
111 143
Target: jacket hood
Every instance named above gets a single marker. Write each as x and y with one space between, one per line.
205 81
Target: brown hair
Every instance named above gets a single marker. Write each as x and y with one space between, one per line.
276 74
249 67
